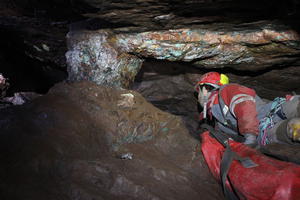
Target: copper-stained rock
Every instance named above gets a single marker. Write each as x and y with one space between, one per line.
93 57
113 58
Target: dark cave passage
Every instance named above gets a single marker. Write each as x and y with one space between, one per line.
24 72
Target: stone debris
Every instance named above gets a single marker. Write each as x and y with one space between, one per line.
127 100
127 156
19 98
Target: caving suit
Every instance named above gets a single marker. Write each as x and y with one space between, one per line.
238 110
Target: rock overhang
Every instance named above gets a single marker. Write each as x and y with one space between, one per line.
114 56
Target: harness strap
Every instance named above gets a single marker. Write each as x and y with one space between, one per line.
267 122
239 98
228 157
227 160
224 110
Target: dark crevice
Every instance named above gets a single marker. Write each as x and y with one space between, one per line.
83 122
179 67
252 73
26 73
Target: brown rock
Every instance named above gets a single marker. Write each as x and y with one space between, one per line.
71 143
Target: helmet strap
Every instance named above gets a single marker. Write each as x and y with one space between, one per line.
204 110
205 100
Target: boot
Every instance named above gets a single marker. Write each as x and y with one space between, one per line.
293 129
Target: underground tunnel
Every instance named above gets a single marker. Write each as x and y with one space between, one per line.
108 108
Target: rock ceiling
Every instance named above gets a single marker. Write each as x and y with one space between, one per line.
255 37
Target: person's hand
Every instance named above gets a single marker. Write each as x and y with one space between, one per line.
250 140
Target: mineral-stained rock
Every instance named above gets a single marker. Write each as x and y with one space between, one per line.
105 57
82 141
259 46
93 57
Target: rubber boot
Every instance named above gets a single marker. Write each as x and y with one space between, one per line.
293 129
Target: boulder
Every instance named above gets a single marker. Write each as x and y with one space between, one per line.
83 141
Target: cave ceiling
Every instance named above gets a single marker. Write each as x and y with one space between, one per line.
253 41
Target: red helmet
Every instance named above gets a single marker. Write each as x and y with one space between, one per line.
214 79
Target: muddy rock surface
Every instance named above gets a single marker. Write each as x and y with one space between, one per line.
82 141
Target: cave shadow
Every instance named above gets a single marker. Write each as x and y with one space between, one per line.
55 10
239 10
164 67
168 88
173 68
24 73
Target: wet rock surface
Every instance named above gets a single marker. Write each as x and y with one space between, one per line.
74 142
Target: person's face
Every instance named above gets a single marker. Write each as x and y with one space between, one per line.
204 93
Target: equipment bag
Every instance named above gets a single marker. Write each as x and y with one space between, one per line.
268 179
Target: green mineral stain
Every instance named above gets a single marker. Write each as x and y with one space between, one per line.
176 53
164 57
178 45
165 129
131 138
86 59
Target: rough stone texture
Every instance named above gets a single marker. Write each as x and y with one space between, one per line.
93 57
174 14
263 44
32 53
69 143
169 87
46 23
42 39
96 56
283 152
